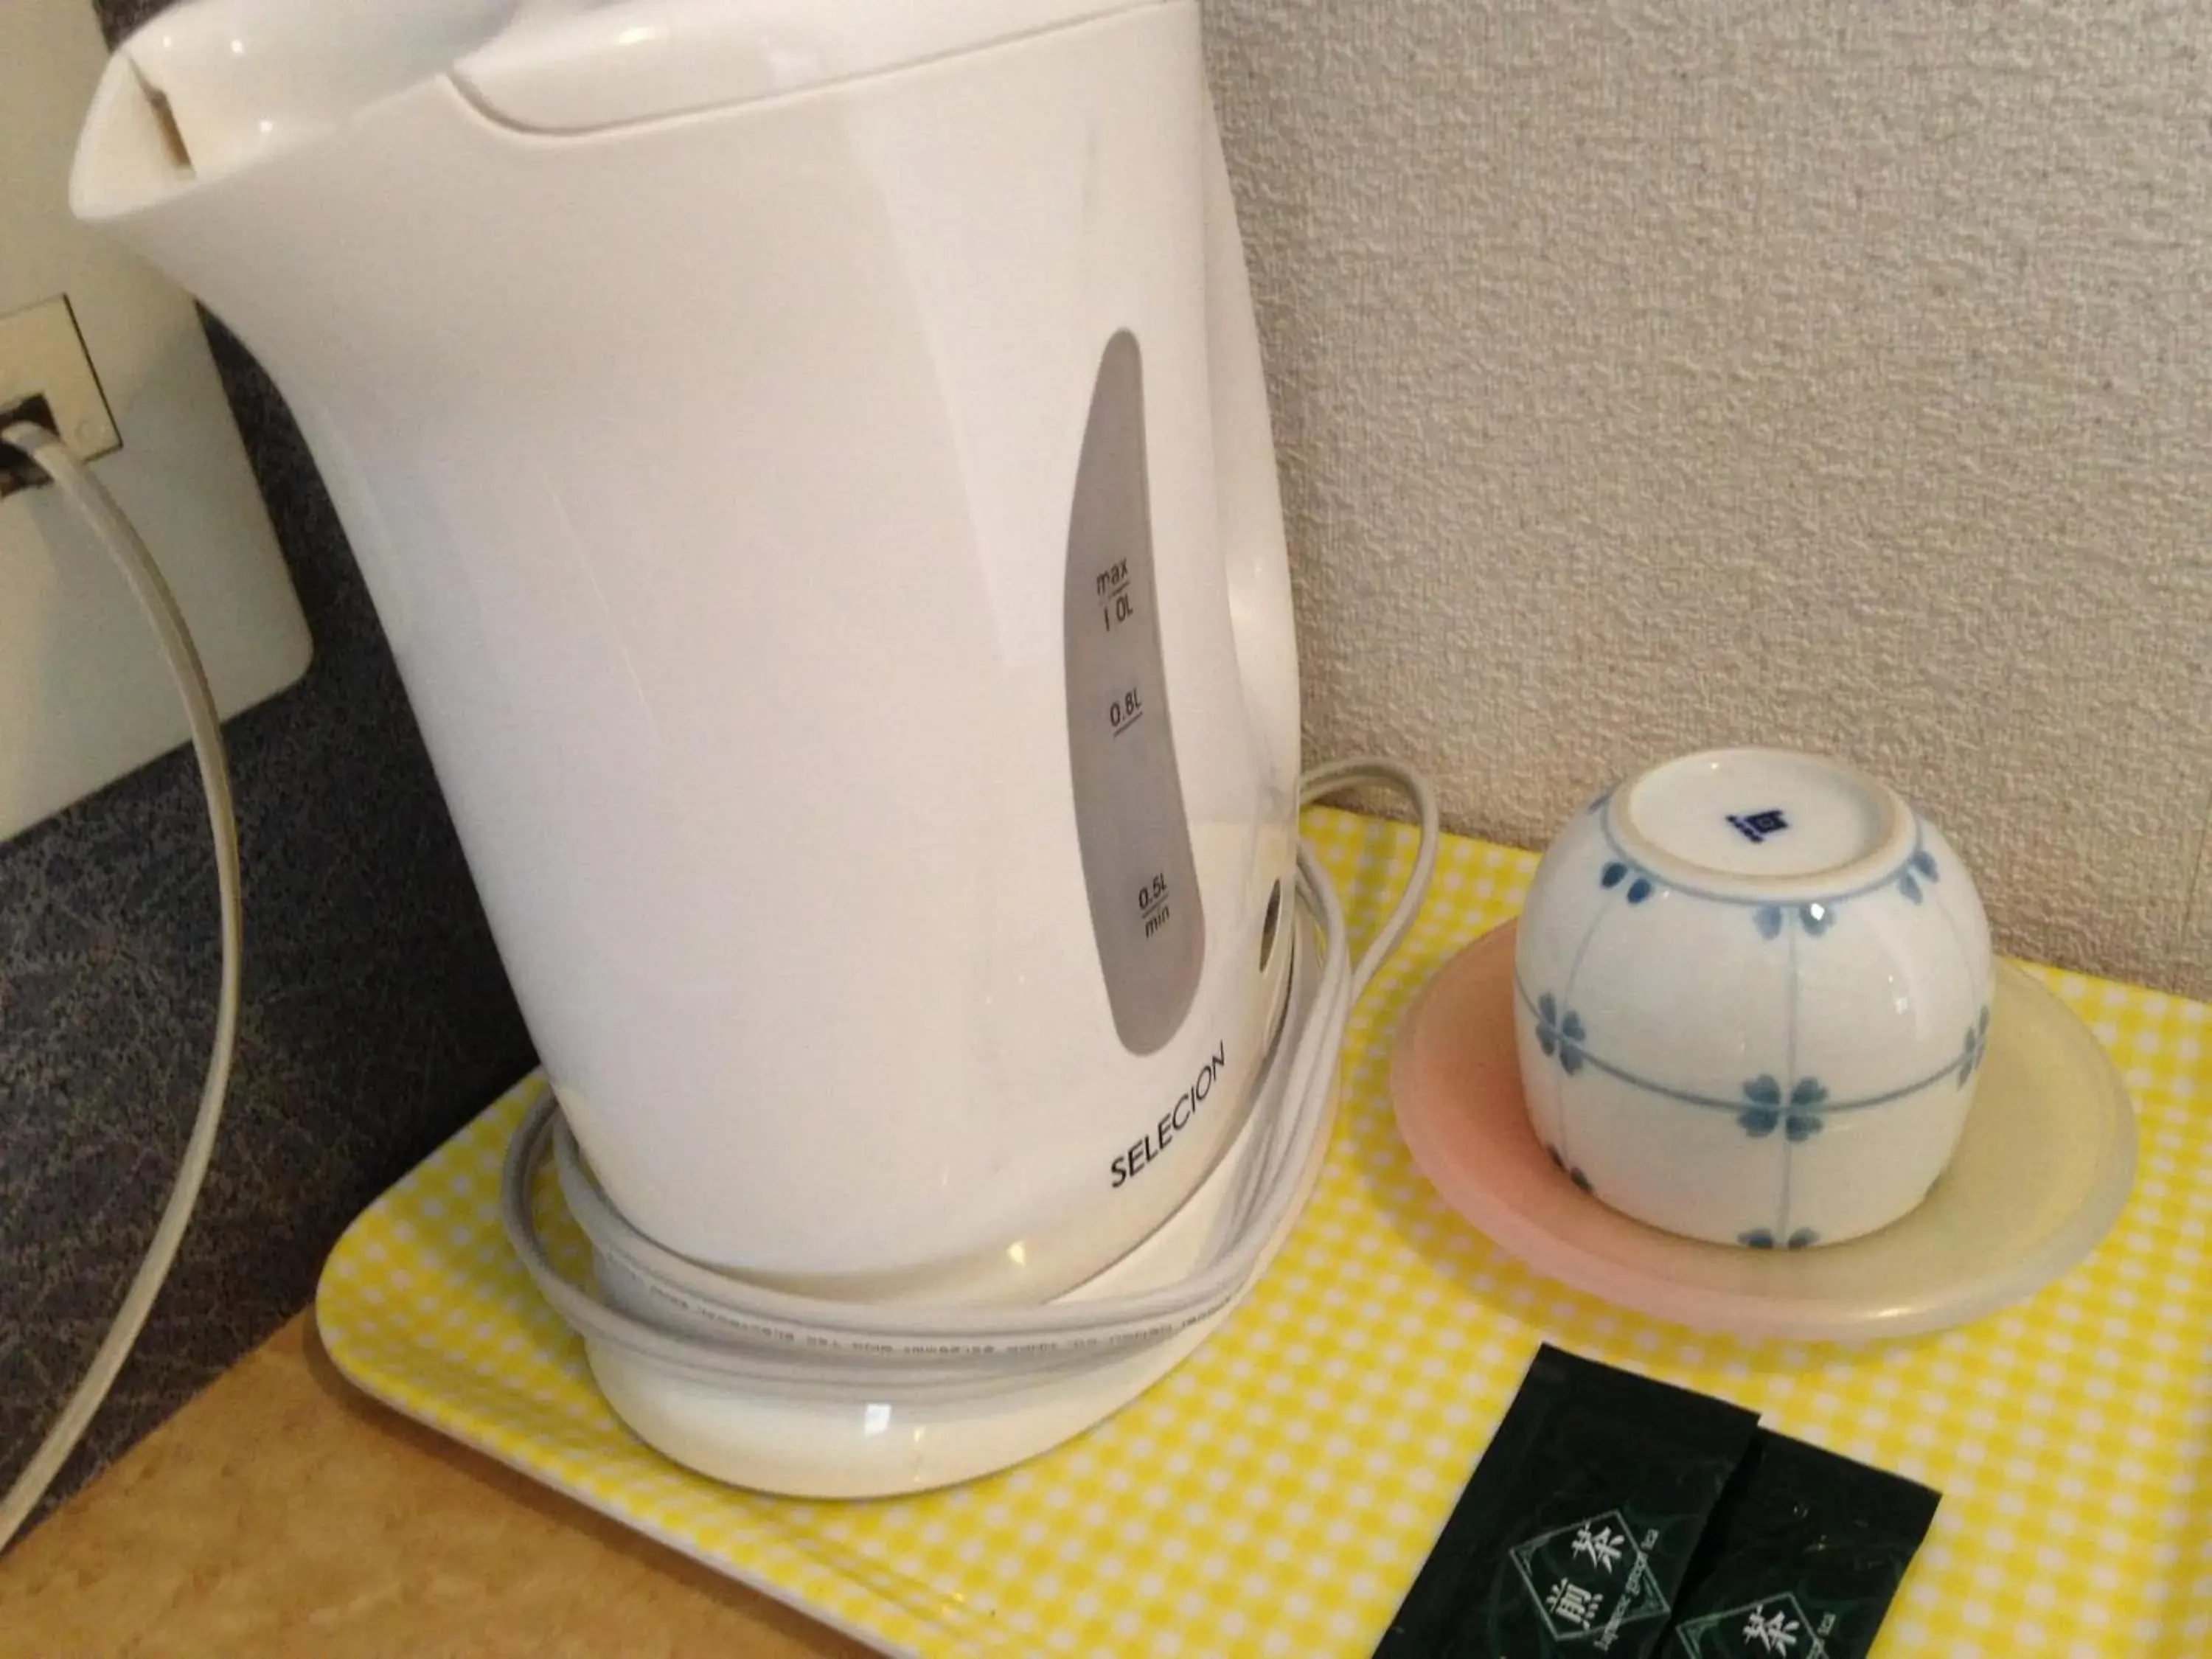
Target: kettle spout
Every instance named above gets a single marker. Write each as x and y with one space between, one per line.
210 86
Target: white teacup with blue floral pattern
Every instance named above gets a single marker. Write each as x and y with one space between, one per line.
1752 991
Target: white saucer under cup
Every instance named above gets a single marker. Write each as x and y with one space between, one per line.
2042 1172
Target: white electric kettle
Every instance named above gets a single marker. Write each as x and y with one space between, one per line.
812 462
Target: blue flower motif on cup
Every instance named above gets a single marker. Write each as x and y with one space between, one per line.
1816 919
1921 864
1799 1117
1616 872
1818 1102
1759 1238
1978 1045
1568 1169
1562 1037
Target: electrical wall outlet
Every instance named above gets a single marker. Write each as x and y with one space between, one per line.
84 697
42 358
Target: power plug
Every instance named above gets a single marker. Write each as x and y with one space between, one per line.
44 362
17 470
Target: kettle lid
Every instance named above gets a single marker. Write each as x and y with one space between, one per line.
210 87
574 65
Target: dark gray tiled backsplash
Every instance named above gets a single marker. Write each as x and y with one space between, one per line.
377 1019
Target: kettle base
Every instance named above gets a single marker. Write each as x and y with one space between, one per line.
817 1448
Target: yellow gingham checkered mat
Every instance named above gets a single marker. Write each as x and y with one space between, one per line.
1275 1494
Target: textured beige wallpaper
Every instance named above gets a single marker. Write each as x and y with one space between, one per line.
1654 376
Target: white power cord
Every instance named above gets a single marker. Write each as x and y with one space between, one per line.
117 538
760 1338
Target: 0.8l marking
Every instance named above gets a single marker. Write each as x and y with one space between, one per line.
1125 711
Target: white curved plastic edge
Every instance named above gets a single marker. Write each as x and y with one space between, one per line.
825 1448
566 67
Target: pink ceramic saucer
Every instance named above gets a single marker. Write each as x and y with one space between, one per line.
2041 1174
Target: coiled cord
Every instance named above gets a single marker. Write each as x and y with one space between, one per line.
765 1340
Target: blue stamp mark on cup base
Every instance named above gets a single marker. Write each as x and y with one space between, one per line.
1759 826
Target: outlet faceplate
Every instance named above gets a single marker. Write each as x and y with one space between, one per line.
84 696
42 354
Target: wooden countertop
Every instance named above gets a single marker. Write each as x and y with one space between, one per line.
282 1512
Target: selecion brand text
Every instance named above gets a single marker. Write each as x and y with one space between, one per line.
1175 1120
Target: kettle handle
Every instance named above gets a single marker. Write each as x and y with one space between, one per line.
1249 503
